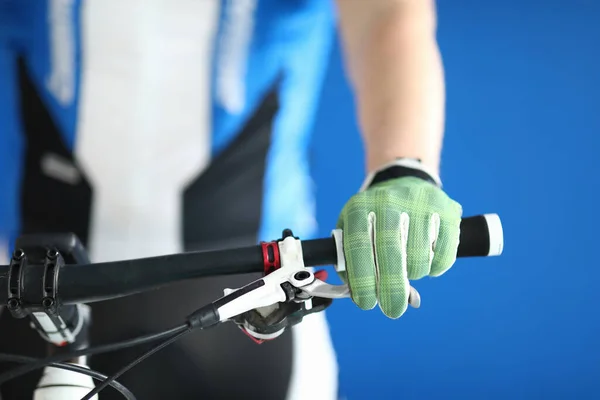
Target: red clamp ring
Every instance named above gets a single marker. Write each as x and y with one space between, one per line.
271 260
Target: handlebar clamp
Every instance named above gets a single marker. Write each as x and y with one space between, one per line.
16 269
36 265
46 299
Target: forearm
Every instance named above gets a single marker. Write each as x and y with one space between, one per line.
396 71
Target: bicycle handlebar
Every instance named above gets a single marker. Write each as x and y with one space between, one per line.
480 236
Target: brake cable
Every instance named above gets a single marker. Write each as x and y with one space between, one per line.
35 364
135 362
75 368
480 236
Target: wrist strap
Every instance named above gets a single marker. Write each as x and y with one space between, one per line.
399 168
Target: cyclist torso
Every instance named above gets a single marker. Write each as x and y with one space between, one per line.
154 128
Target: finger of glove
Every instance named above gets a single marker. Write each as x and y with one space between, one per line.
391 236
360 257
422 234
445 247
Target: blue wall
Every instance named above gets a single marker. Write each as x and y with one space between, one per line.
522 140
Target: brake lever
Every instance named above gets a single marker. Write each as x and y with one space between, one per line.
315 287
292 281
318 288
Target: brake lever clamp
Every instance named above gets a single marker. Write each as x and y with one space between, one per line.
269 322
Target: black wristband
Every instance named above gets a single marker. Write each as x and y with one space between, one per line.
402 167
398 171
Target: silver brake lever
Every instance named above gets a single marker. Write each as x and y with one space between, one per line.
318 288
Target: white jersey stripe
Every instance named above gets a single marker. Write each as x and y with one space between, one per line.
144 133
144 118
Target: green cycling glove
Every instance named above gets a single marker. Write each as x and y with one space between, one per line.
398 229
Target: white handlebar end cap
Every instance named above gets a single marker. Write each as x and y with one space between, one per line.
496 234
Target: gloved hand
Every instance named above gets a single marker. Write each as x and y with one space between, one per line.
399 228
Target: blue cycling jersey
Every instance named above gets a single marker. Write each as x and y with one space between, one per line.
257 47
153 127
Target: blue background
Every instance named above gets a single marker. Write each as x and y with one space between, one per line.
523 119
522 130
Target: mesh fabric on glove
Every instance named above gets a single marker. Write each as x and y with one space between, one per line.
401 229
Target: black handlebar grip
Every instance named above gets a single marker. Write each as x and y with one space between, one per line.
480 236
